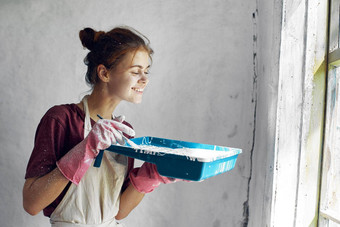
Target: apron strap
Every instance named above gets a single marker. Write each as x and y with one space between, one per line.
87 123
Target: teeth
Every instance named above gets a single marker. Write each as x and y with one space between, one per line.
138 89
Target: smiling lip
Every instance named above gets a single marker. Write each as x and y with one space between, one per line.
139 90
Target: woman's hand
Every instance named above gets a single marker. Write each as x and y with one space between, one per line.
104 133
146 178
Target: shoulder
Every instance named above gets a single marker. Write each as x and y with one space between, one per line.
61 110
63 114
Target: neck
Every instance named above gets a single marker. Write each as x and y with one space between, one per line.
100 103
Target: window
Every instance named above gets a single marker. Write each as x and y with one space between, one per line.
329 214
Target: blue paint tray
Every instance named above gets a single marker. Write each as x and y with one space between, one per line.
179 159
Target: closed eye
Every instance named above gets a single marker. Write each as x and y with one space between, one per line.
137 73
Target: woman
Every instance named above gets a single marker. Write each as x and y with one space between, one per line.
60 177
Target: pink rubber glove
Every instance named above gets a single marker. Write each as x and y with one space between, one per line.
146 178
119 118
104 133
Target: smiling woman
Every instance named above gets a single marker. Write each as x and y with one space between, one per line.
60 177
129 78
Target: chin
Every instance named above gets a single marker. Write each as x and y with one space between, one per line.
136 101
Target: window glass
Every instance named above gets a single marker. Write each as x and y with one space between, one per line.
330 188
334 25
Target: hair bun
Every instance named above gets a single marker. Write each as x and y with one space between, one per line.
88 37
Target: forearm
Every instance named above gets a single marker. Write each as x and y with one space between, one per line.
38 193
128 201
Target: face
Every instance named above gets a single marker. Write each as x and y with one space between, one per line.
129 78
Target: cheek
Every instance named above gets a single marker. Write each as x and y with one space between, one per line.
126 85
121 85
131 81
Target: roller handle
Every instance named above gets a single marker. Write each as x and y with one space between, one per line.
98 159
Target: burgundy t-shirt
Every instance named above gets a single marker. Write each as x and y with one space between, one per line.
60 129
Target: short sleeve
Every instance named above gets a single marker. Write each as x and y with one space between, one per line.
49 141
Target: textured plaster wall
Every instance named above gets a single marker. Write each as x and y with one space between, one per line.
201 90
267 21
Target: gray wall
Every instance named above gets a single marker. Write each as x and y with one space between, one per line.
268 24
201 90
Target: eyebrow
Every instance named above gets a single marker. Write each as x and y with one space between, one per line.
139 66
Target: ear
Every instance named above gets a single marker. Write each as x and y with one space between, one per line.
102 73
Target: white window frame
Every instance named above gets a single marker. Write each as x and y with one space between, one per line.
300 113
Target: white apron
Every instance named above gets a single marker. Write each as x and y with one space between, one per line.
95 201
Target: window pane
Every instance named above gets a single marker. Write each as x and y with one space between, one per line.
333 224
330 188
334 26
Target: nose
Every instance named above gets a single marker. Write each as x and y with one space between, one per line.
144 78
